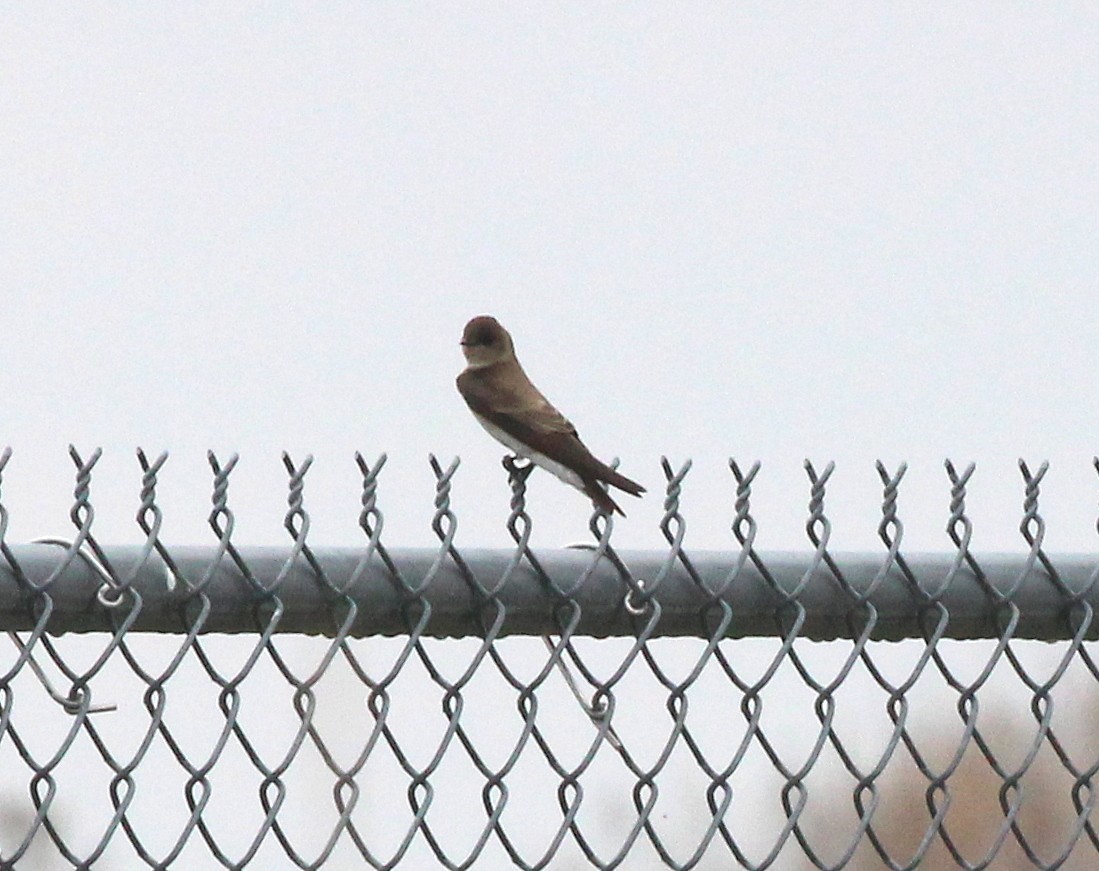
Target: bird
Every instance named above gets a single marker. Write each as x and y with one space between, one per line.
516 414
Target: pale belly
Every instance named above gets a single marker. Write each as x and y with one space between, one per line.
515 446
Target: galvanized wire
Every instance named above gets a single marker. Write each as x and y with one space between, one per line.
348 598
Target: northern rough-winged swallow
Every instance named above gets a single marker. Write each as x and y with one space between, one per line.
516 414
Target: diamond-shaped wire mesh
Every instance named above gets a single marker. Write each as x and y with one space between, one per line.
225 707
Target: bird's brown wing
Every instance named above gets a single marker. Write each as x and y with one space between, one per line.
540 425
486 393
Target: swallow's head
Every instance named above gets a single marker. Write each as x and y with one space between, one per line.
485 342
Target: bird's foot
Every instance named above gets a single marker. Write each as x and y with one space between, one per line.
516 465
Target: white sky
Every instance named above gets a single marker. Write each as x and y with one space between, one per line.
770 232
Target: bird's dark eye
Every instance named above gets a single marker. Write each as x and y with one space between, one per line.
482 336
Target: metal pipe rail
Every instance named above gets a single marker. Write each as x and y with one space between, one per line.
688 597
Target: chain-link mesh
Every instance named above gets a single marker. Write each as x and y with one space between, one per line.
567 709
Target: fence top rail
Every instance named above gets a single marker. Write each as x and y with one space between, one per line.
357 592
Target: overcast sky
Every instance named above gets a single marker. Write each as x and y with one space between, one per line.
770 232
763 232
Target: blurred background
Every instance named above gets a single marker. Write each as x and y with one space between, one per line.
843 232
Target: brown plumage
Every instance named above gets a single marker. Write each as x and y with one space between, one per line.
516 414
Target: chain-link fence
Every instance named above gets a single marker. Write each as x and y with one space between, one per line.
226 707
